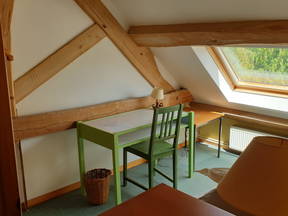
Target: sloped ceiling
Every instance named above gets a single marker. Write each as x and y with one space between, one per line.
149 12
182 62
185 67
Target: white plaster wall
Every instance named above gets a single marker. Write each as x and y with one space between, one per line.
102 74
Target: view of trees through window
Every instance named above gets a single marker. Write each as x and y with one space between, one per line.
259 65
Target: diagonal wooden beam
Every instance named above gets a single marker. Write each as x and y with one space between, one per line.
42 72
221 33
45 123
141 57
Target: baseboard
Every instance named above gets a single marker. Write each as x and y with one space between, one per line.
211 141
132 164
43 198
60 192
53 194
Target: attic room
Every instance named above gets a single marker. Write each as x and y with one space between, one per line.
155 107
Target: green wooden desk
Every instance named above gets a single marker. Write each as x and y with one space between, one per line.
119 131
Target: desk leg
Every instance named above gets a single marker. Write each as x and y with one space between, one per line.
219 137
117 183
191 157
81 164
194 146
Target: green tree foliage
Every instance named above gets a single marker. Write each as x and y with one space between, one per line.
263 59
261 65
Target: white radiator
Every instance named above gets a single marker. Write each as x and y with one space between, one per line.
241 137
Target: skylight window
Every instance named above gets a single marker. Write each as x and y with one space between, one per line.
258 70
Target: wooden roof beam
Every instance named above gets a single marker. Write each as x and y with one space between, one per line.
140 57
211 34
54 63
45 123
6 11
9 194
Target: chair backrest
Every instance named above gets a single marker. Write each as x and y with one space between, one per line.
165 125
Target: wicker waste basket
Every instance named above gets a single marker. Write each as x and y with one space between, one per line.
97 185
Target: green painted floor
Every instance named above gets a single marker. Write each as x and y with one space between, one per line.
73 204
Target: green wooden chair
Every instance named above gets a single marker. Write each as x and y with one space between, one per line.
165 126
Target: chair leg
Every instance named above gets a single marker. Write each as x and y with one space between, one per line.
154 165
124 167
219 138
185 134
150 172
175 170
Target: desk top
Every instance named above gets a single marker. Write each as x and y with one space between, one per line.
143 117
163 200
123 122
203 116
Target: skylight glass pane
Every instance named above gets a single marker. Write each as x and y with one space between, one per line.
258 65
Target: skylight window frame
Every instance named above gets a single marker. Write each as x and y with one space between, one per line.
237 85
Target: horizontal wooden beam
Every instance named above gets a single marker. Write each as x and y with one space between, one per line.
212 34
245 116
40 124
42 72
140 57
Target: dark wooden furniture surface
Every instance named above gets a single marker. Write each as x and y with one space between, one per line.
164 200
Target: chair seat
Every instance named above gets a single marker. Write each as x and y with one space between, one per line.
161 148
